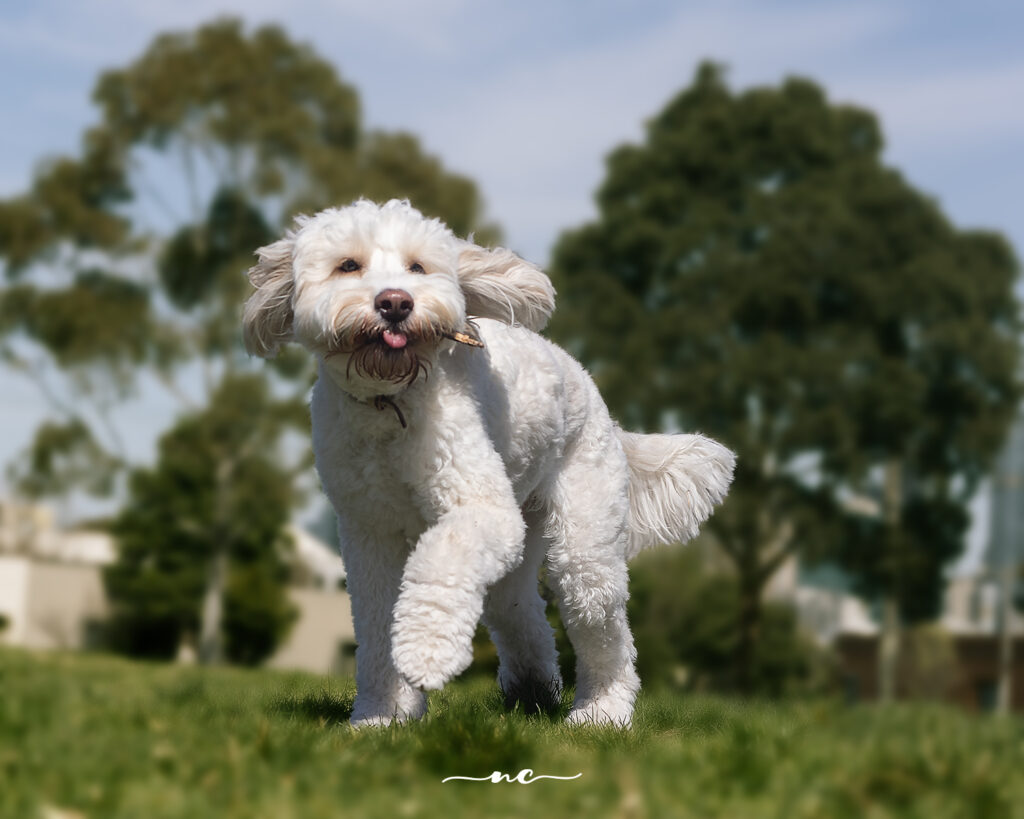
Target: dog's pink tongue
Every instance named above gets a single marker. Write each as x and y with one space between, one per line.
395 341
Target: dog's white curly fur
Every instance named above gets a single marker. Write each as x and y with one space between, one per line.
457 472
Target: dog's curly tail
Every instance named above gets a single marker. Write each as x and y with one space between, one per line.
675 481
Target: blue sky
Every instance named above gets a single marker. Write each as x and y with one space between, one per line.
528 97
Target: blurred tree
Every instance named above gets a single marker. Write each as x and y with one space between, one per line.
126 265
216 489
684 617
756 272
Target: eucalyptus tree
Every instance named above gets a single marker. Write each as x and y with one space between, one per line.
125 266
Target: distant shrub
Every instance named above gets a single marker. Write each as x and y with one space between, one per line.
685 622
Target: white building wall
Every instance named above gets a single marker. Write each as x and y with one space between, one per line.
14 580
64 601
323 628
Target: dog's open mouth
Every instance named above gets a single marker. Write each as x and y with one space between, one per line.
395 339
384 340
386 354
390 353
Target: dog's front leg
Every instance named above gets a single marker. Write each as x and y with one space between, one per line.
373 563
471 546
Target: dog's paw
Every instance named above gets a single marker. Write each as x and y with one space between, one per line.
401 704
430 670
427 658
613 707
602 712
382 719
377 721
431 643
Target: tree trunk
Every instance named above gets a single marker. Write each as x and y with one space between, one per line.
1004 692
888 649
211 638
756 563
889 635
749 629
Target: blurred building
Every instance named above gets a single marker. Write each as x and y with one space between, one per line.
51 589
52 594
979 634
955 659
824 604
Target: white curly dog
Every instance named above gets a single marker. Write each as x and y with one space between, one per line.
458 468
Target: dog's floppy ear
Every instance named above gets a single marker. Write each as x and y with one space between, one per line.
500 285
267 318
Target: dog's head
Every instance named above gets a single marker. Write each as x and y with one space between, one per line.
376 289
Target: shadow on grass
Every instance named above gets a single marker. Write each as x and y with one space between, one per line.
477 693
473 743
480 697
533 697
325 707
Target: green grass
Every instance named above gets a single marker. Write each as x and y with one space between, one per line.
101 737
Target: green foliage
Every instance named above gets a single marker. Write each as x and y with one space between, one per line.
930 536
71 200
785 272
261 127
216 487
685 620
103 737
273 118
258 614
195 259
98 318
62 456
757 273
219 89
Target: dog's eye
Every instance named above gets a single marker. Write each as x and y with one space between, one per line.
416 267
348 266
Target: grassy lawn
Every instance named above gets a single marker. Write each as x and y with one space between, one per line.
92 736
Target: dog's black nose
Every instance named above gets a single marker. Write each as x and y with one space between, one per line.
393 305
